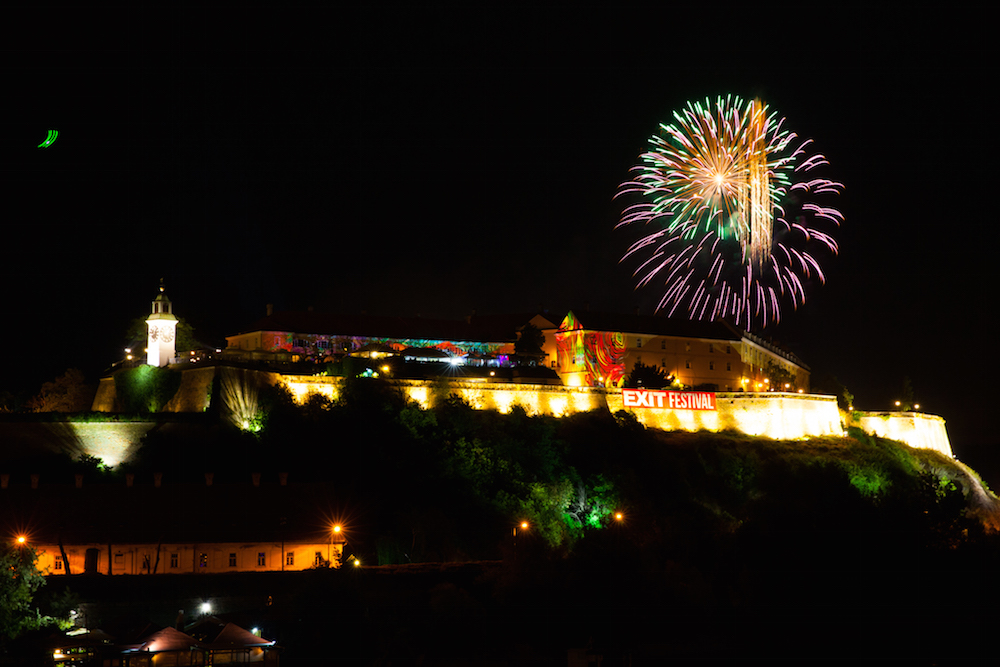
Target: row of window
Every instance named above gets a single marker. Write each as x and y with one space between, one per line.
261 559
119 560
688 364
687 346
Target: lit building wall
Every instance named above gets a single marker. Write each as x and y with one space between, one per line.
693 361
196 558
589 358
757 359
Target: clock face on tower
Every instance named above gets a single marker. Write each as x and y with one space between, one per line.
167 335
154 333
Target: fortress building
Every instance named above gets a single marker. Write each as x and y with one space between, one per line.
601 349
313 336
585 349
585 361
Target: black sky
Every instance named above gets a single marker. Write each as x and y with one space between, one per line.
449 159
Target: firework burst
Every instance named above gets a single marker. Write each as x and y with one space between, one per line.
725 196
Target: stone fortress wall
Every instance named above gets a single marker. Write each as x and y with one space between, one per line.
776 415
782 416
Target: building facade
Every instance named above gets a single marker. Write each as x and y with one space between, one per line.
188 558
600 350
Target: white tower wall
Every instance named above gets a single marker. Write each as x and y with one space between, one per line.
161 331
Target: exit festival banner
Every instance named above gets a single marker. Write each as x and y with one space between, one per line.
675 400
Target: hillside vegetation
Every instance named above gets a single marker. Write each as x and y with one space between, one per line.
447 484
728 545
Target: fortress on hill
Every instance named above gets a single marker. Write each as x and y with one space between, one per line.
718 378
581 364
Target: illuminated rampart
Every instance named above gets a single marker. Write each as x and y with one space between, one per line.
782 416
914 428
112 442
775 415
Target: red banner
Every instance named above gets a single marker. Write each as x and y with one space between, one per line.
673 400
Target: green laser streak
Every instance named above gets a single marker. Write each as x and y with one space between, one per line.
49 139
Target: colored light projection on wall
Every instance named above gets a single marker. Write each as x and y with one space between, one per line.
589 358
320 346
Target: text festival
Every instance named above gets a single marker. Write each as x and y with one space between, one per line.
677 400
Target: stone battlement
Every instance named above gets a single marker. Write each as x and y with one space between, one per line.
784 416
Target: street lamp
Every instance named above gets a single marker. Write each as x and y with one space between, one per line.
335 532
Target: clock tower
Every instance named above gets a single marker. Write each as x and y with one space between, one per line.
161 327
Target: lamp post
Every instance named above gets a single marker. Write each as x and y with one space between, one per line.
524 525
335 531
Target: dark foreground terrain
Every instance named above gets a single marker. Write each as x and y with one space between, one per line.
730 548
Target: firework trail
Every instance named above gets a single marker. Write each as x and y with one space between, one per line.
725 198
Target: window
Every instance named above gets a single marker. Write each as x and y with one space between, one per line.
687 347
318 559
663 344
203 560
119 560
663 363
174 558
58 564
729 365
260 559
729 349
290 558
638 342
687 364
232 560
711 365
711 347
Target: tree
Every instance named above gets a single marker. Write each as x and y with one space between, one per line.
19 580
831 385
906 400
779 377
529 343
67 393
648 377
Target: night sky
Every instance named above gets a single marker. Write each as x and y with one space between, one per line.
440 161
